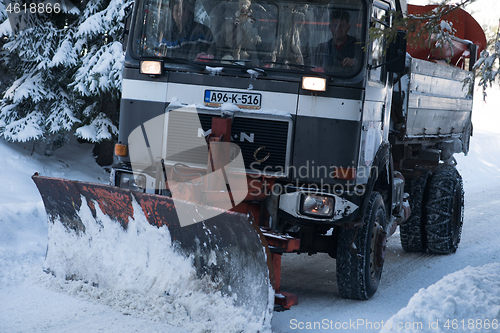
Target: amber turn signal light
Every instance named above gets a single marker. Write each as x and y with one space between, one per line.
121 150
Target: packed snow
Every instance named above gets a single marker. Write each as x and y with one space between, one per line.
467 300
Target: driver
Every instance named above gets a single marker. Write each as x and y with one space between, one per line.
187 38
342 49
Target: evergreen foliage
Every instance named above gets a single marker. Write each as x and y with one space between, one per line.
67 72
488 64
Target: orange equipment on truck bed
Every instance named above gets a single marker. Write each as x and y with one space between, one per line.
467 30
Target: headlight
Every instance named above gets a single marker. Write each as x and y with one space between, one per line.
132 182
150 67
317 205
314 83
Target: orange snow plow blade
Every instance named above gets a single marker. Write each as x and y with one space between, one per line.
224 251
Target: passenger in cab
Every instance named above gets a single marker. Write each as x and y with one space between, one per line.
187 38
342 50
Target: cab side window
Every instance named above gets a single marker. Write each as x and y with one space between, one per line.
379 20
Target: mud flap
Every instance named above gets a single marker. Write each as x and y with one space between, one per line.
224 249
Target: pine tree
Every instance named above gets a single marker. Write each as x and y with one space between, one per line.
98 78
67 70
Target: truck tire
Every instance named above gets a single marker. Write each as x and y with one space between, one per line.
444 210
412 231
361 253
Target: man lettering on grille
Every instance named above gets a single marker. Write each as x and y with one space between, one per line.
342 51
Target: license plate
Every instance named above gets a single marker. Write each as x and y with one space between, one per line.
242 100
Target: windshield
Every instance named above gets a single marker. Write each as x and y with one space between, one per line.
324 36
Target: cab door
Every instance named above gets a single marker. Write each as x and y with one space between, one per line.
375 119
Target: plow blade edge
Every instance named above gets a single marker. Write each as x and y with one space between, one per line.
225 251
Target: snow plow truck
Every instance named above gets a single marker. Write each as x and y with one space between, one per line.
253 128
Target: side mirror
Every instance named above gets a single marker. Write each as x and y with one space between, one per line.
396 54
473 56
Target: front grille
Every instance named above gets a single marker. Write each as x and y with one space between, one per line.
270 134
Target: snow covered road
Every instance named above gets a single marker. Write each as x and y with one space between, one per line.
32 301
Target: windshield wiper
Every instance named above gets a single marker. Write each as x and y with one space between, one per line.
256 71
239 63
288 64
185 62
244 65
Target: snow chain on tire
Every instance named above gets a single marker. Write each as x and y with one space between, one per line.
358 276
444 210
412 231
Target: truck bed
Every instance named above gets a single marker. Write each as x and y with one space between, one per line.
437 103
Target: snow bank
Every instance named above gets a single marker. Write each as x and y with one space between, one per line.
467 300
21 240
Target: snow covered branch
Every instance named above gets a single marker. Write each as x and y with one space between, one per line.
61 69
487 66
